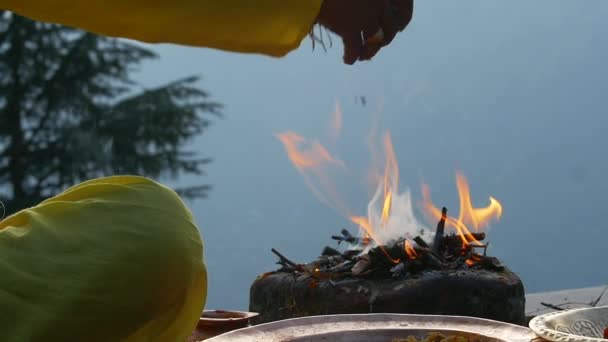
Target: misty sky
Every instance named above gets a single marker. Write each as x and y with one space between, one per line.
513 93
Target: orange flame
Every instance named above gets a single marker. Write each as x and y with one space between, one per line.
390 179
478 218
363 222
316 156
410 251
386 208
310 158
313 160
472 260
475 217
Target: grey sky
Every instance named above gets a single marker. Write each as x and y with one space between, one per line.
511 92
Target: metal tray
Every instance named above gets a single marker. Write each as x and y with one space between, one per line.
577 325
376 328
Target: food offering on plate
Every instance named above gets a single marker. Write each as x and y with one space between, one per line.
437 337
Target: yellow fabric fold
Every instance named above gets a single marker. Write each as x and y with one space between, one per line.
111 259
270 27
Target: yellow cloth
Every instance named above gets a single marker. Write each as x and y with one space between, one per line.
271 27
111 259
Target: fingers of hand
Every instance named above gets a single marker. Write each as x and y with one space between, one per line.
370 50
358 47
381 30
396 16
403 10
373 37
389 25
352 47
379 22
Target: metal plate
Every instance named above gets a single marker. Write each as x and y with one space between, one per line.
376 327
579 325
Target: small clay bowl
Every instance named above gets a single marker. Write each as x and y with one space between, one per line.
216 322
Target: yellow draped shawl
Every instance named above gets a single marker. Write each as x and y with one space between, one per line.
271 27
111 259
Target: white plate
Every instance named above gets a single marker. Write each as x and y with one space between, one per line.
375 327
578 325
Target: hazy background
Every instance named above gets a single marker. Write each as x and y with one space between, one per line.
511 92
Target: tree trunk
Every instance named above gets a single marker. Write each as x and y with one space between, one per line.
16 149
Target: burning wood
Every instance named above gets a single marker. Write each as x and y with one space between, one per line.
346 237
452 275
400 259
457 281
437 243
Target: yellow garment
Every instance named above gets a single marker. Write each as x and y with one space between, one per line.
111 259
271 27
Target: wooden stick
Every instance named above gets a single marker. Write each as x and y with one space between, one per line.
440 231
424 246
284 259
328 251
551 306
485 248
342 267
595 302
455 238
352 240
429 257
346 237
420 242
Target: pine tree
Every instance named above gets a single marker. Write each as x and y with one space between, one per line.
70 111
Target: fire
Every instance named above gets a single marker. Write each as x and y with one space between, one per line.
478 218
391 169
390 179
472 260
386 208
410 251
316 156
311 159
390 214
469 216
363 222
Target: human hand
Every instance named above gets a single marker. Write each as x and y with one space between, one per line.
365 25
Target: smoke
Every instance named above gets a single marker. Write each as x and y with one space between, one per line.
401 223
